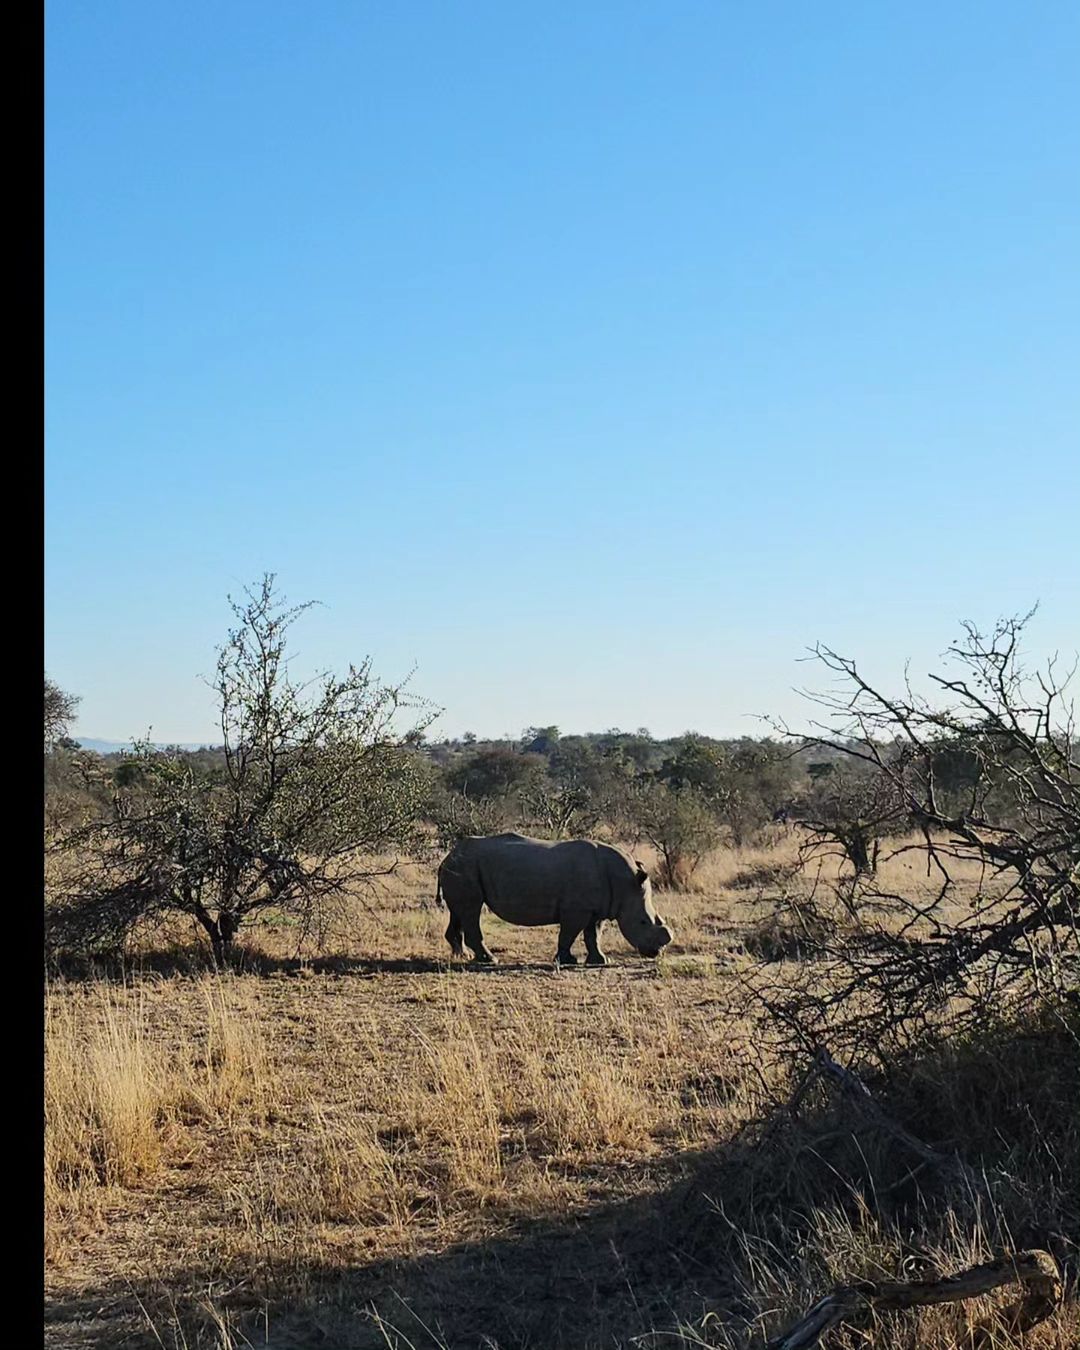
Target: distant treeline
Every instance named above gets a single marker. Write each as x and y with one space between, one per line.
684 794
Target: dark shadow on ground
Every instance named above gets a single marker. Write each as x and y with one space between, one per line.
196 960
633 1270
630 1271
579 1282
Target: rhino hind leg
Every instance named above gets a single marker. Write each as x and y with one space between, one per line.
475 939
592 944
463 894
568 935
454 932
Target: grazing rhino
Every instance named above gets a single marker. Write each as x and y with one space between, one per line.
576 883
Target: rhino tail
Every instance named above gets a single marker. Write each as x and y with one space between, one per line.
439 901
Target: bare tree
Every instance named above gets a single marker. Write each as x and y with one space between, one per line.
315 779
561 810
456 815
852 813
1012 816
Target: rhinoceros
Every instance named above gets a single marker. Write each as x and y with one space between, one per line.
576 883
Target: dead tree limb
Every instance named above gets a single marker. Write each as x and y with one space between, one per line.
988 773
856 1091
1035 1271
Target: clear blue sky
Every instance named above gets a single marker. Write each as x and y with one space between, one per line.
594 358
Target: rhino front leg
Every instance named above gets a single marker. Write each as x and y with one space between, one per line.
592 944
568 935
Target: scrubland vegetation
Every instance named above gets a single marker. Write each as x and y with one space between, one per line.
278 1114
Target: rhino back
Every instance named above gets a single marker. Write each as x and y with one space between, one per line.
540 881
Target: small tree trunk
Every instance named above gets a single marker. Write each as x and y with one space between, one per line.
228 923
221 930
855 845
212 928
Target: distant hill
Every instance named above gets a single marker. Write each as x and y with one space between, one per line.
118 747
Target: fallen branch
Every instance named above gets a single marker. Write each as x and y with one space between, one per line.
1035 1271
859 1094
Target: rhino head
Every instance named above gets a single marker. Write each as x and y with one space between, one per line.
638 921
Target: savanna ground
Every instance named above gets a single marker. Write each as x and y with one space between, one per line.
379 1147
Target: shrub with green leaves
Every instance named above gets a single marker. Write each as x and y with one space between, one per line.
314 779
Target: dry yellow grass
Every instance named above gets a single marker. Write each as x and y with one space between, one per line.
225 1071
382 1148
104 1092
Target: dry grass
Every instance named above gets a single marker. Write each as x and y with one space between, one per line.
104 1095
225 1071
381 1148
117 1094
